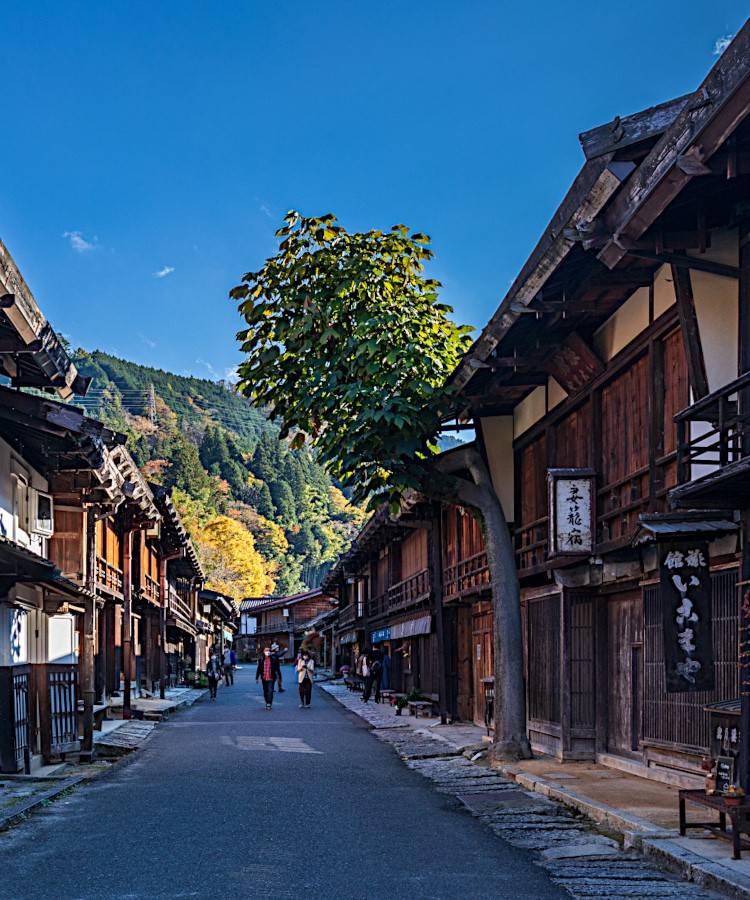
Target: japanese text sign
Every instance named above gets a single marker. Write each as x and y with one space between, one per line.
686 616
571 511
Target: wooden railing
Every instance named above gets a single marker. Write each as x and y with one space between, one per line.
63 719
178 605
414 591
620 503
466 576
725 440
531 544
274 627
348 615
108 576
151 589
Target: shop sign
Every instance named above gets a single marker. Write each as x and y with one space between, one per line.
686 616
383 635
350 637
572 510
412 627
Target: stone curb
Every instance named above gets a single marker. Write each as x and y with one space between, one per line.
20 809
641 835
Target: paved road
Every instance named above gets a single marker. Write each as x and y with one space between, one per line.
229 800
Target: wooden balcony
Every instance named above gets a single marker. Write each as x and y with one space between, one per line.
350 617
108 577
713 450
531 544
150 589
413 592
286 624
469 576
178 606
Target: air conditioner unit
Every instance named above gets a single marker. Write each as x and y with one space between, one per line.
42 513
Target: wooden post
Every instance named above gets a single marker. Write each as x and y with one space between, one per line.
88 753
102 622
744 406
162 624
565 674
435 539
127 621
691 339
656 423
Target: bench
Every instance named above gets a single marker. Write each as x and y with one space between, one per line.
738 815
387 696
100 714
420 708
354 683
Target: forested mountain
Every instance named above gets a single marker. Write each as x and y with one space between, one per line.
264 519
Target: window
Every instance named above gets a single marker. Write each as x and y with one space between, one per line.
44 522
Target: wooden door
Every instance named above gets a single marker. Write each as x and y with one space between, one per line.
464 642
482 660
625 681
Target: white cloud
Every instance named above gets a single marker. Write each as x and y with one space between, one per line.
722 43
231 374
162 273
79 243
212 371
266 210
147 340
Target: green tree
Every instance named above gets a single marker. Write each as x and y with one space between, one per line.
284 502
264 503
346 342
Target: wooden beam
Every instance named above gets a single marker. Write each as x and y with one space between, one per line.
691 339
700 129
631 129
687 262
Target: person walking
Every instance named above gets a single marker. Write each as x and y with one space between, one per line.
276 653
267 672
230 661
305 669
213 673
374 675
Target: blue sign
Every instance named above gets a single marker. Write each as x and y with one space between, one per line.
383 635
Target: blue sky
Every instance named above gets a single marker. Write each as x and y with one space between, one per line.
150 149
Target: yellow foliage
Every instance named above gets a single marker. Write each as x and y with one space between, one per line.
233 566
341 508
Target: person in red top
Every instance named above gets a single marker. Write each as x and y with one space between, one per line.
268 671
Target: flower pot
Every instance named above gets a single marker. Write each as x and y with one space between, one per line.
733 801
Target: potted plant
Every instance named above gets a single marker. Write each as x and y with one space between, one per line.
399 703
733 796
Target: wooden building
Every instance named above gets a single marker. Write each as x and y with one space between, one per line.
285 620
609 396
98 595
608 391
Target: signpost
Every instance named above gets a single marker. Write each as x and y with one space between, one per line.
572 511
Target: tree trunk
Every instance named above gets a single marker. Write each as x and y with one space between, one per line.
510 741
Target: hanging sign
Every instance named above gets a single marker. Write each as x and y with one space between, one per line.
686 616
572 511
574 365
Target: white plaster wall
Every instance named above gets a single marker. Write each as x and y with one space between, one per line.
61 645
623 326
664 295
556 393
498 441
717 306
530 410
8 456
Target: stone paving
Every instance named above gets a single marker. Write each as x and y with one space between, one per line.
586 863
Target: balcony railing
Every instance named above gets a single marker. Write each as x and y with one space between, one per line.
178 605
713 449
275 627
151 589
108 576
466 577
349 615
412 592
531 544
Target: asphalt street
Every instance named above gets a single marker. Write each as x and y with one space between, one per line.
230 800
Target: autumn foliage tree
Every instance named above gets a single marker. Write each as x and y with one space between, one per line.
347 343
233 565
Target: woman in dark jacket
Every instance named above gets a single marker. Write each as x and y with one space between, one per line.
268 672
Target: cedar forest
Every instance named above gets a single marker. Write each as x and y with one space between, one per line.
264 519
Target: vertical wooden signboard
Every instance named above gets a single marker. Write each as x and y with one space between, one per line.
686 616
